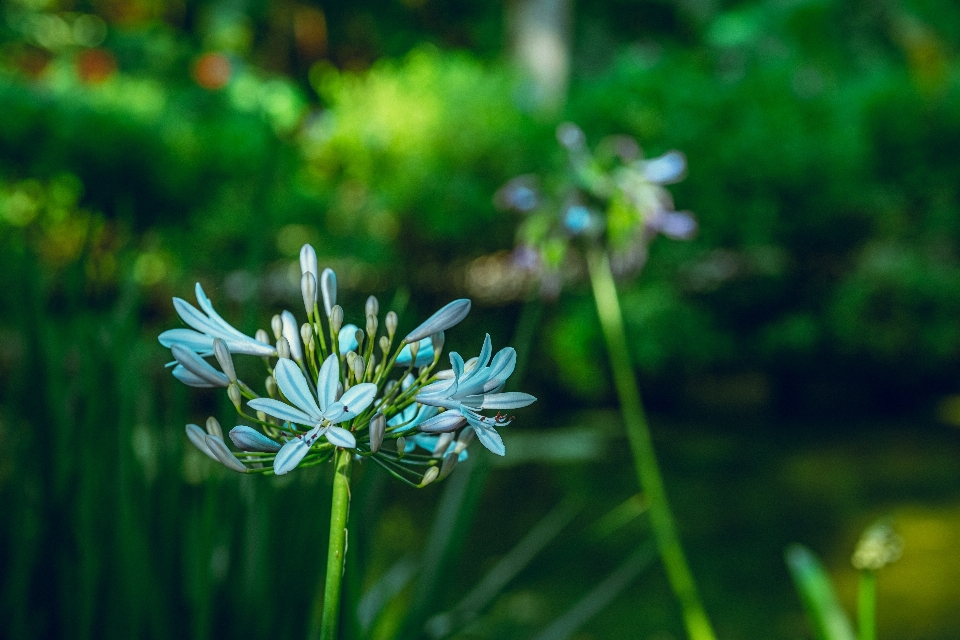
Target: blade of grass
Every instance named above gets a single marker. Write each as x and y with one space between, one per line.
828 618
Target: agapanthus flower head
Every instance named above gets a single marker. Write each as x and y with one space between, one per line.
613 197
334 386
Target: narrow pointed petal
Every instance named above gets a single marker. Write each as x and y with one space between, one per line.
190 379
501 368
198 366
424 354
281 410
489 438
308 261
251 347
222 325
358 397
341 438
291 331
446 421
335 413
250 439
198 437
219 449
508 400
193 340
347 339
290 456
327 382
669 168
447 317
328 289
189 314
295 388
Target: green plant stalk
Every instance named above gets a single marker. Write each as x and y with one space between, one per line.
867 605
638 432
337 548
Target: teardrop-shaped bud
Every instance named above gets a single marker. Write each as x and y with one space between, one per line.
372 307
378 425
328 289
384 344
233 392
437 341
262 336
359 367
371 325
463 440
429 477
449 462
359 337
271 384
213 427
442 444
277 325
446 317
308 260
223 356
401 446
308 289
250 439
283 348
291 331
306 334
390 323
336 319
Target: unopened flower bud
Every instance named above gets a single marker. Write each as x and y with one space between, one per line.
378 424
448 316
372 308
328 288
225 359
401 446
233 391
336 319
283 348
271 385
262 336
350 357
306 333
371 325
878 546
308 261
308 289
384 344
359 366
391 323
437 340
449 462
359 338
261 416
429 476
276 323
414 350
213 427
292 334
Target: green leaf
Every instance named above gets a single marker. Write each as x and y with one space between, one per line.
828 618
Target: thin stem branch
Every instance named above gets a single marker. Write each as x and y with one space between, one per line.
638 432
337 549
867 605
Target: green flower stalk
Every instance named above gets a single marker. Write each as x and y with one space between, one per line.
607 207
335 392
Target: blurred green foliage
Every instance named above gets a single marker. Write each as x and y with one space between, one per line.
144 145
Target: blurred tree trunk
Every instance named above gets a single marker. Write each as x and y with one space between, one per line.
540 41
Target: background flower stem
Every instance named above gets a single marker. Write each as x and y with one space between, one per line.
638 432
337 549
867 605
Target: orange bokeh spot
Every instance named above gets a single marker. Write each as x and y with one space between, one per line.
95 65
212 71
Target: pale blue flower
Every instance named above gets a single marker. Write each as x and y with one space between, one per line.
347 339
413 415
194 371
207 326
320 412
471 390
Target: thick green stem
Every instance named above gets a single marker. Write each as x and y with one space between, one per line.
867 605
641 445
337 549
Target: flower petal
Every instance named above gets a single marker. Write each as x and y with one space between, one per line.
281 410
198 366
190 379
501 368
290 456
198 437
194 340
215 319
446 421
448 316
424 354
347 339
508 400
219 449
340 437
294 387
308 261
327 381
328 289
189 314
669 168
357 398
489 438
250 439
